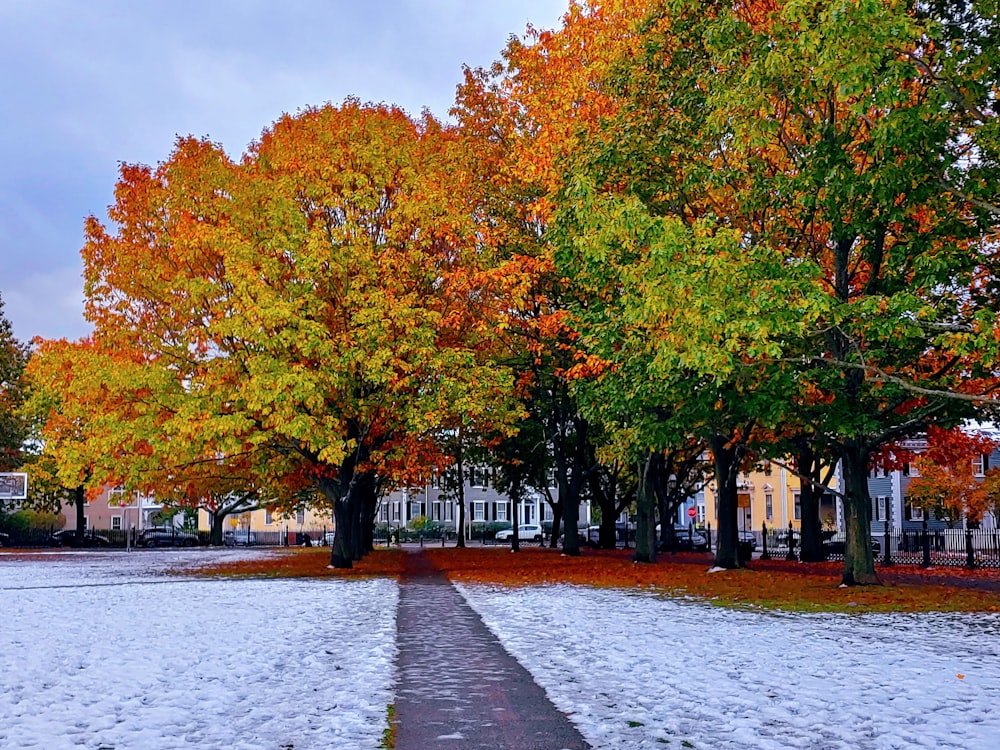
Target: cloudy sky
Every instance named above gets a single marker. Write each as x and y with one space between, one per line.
87 85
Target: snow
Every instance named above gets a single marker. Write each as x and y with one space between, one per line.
634 670
103 651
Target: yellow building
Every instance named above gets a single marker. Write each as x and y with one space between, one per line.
270 527
767 495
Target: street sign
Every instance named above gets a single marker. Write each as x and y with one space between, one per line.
13 485
692 512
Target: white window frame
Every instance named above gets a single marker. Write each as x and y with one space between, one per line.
116 523
979 465
769 505
300 516
501 511
479 511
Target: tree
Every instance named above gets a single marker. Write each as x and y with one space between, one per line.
71 388
946 484
846 152
306 309
13 430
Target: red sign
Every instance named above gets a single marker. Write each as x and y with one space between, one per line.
692 512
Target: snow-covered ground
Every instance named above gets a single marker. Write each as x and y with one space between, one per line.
634 670
102 651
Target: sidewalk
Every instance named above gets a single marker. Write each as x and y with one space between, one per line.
458 687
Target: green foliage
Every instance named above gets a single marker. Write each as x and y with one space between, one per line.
13 426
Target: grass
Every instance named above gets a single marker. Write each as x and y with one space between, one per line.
389 733
772 584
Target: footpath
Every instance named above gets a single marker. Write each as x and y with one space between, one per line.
458 687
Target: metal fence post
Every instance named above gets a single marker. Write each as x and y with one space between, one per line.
764 555
791 543
970 555
927 546
886 553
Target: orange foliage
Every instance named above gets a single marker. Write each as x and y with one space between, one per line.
305 562
772 583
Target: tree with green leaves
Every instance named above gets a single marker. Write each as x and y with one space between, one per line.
13 429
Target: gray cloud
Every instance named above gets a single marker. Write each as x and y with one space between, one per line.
89 85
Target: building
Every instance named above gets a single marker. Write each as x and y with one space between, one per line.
115 508
485 505
770 494
890 506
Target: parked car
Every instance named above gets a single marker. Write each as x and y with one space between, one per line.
4 540
67 538
582 536
167 537
748 538
690 539
836 544
525 532
240 537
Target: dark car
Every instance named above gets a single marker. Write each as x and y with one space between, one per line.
690 539
836 544
167 537
4 540
68 538
747 538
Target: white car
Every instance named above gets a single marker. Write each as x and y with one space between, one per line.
525 532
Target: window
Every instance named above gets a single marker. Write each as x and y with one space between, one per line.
448 511
797 500
547 512
769 505
479 511
501 511
767 469
880 509
300 516
268 516
913 512
478 477
701 515
116 523
979 465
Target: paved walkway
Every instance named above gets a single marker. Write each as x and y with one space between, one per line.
458 687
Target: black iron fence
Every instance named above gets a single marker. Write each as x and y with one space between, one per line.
969 548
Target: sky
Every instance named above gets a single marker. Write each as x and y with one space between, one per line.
90 85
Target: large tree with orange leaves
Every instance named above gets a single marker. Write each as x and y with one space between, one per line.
316 308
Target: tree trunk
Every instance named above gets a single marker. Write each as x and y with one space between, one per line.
341 555
571 525
811 549
645 512
726 458
80 501
859 563
333 491
215 536
557 522
460 465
